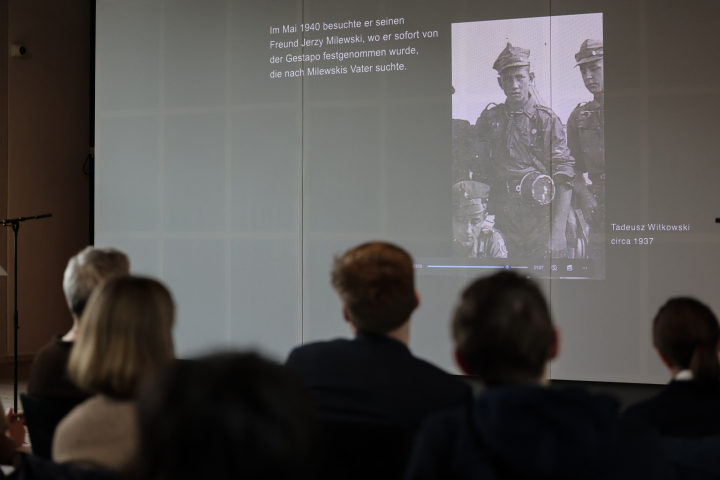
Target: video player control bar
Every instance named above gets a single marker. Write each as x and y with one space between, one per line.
565 268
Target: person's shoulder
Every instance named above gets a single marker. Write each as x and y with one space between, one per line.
655 412
439 380
322 345
44 358
313 350
496 236
94 412
446 447
575 114
98 432
78 419
48 368
460 124
430 368
591 106
640 408
56 347
579 108
543 111
683 408
493 108
657 406
492 111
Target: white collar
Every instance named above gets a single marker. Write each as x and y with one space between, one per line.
683 375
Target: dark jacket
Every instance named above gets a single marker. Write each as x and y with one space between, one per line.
374 379
533 432
49 375
682 409
687 415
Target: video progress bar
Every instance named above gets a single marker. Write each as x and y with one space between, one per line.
471 266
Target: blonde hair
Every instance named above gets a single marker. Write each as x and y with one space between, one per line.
125 334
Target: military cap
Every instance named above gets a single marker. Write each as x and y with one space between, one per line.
590 50
512 57
469 196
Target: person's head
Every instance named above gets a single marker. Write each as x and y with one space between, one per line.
86 270
502 330
590 61
514 75
225 416
376 283
686 334
469 210
125 334
515 82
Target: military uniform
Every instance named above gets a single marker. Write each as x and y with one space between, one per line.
469 200
529 141
469 160
461 150
586 135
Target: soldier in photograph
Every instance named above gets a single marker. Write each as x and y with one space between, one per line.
468 156
473 232
586 137
532 169
461 149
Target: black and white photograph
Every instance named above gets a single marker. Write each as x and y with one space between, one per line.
528 161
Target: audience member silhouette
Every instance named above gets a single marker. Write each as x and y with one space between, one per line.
124 337
226 416
374 378
686 335
371 393
687 411
518 428
48 377
364 398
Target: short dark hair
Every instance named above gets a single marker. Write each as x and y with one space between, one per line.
503 330
376 282
225 416
686 332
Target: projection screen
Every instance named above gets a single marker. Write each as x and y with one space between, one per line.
241 145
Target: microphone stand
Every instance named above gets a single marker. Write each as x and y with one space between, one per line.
14 223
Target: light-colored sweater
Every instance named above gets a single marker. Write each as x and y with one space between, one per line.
100 432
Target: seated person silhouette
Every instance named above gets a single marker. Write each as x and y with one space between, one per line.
50 392
49 377
687 411
686 335
124 339
374 377
371 393
518 427
253 417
